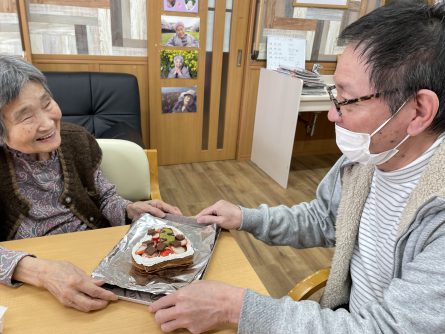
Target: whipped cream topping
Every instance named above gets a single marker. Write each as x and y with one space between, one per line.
150 261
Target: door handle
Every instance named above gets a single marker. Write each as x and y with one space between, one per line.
239 57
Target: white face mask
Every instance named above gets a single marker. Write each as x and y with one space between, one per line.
355 145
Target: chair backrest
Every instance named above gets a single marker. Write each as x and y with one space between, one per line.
126 165
106 104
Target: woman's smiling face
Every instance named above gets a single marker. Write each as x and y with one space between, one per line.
180 31
178 62
32 122
187 99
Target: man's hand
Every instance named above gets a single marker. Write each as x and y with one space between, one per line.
154 207
199 307
69 284
222 213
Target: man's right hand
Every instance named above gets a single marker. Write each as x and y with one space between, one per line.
70 285
222 213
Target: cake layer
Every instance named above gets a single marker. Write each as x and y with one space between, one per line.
175 263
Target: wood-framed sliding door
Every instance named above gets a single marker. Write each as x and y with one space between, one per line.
211 75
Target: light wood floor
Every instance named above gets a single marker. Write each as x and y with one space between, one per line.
195 186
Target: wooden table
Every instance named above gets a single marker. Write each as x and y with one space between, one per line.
32 310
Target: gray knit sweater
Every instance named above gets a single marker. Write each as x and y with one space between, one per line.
414 301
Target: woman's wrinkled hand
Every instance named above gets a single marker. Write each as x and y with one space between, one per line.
70 285
154 207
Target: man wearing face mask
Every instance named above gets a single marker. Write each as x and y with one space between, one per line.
382 204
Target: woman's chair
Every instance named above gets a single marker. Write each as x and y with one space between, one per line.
311 284
131 168
106 104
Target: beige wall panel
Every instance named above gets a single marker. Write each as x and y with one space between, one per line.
275 124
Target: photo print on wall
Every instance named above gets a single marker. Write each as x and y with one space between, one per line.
180 31
185 6
178 99
179 64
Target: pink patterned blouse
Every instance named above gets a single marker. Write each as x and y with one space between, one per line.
41 183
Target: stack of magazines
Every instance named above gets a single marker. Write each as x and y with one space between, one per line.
312 82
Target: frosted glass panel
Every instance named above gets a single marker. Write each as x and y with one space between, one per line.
227 25
104 27
210 24
10 40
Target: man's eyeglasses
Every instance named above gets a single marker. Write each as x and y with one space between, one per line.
333 96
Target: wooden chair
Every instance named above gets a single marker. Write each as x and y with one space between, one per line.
152 156
131 168
311 284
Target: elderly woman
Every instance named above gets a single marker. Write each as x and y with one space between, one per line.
186 102
51 183
181 38
179 70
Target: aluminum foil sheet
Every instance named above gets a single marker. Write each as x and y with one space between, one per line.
117 271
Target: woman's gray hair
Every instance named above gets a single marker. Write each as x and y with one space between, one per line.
15 73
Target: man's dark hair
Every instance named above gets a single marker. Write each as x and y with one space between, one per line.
403 43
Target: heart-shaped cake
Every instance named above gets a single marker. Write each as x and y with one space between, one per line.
162 248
